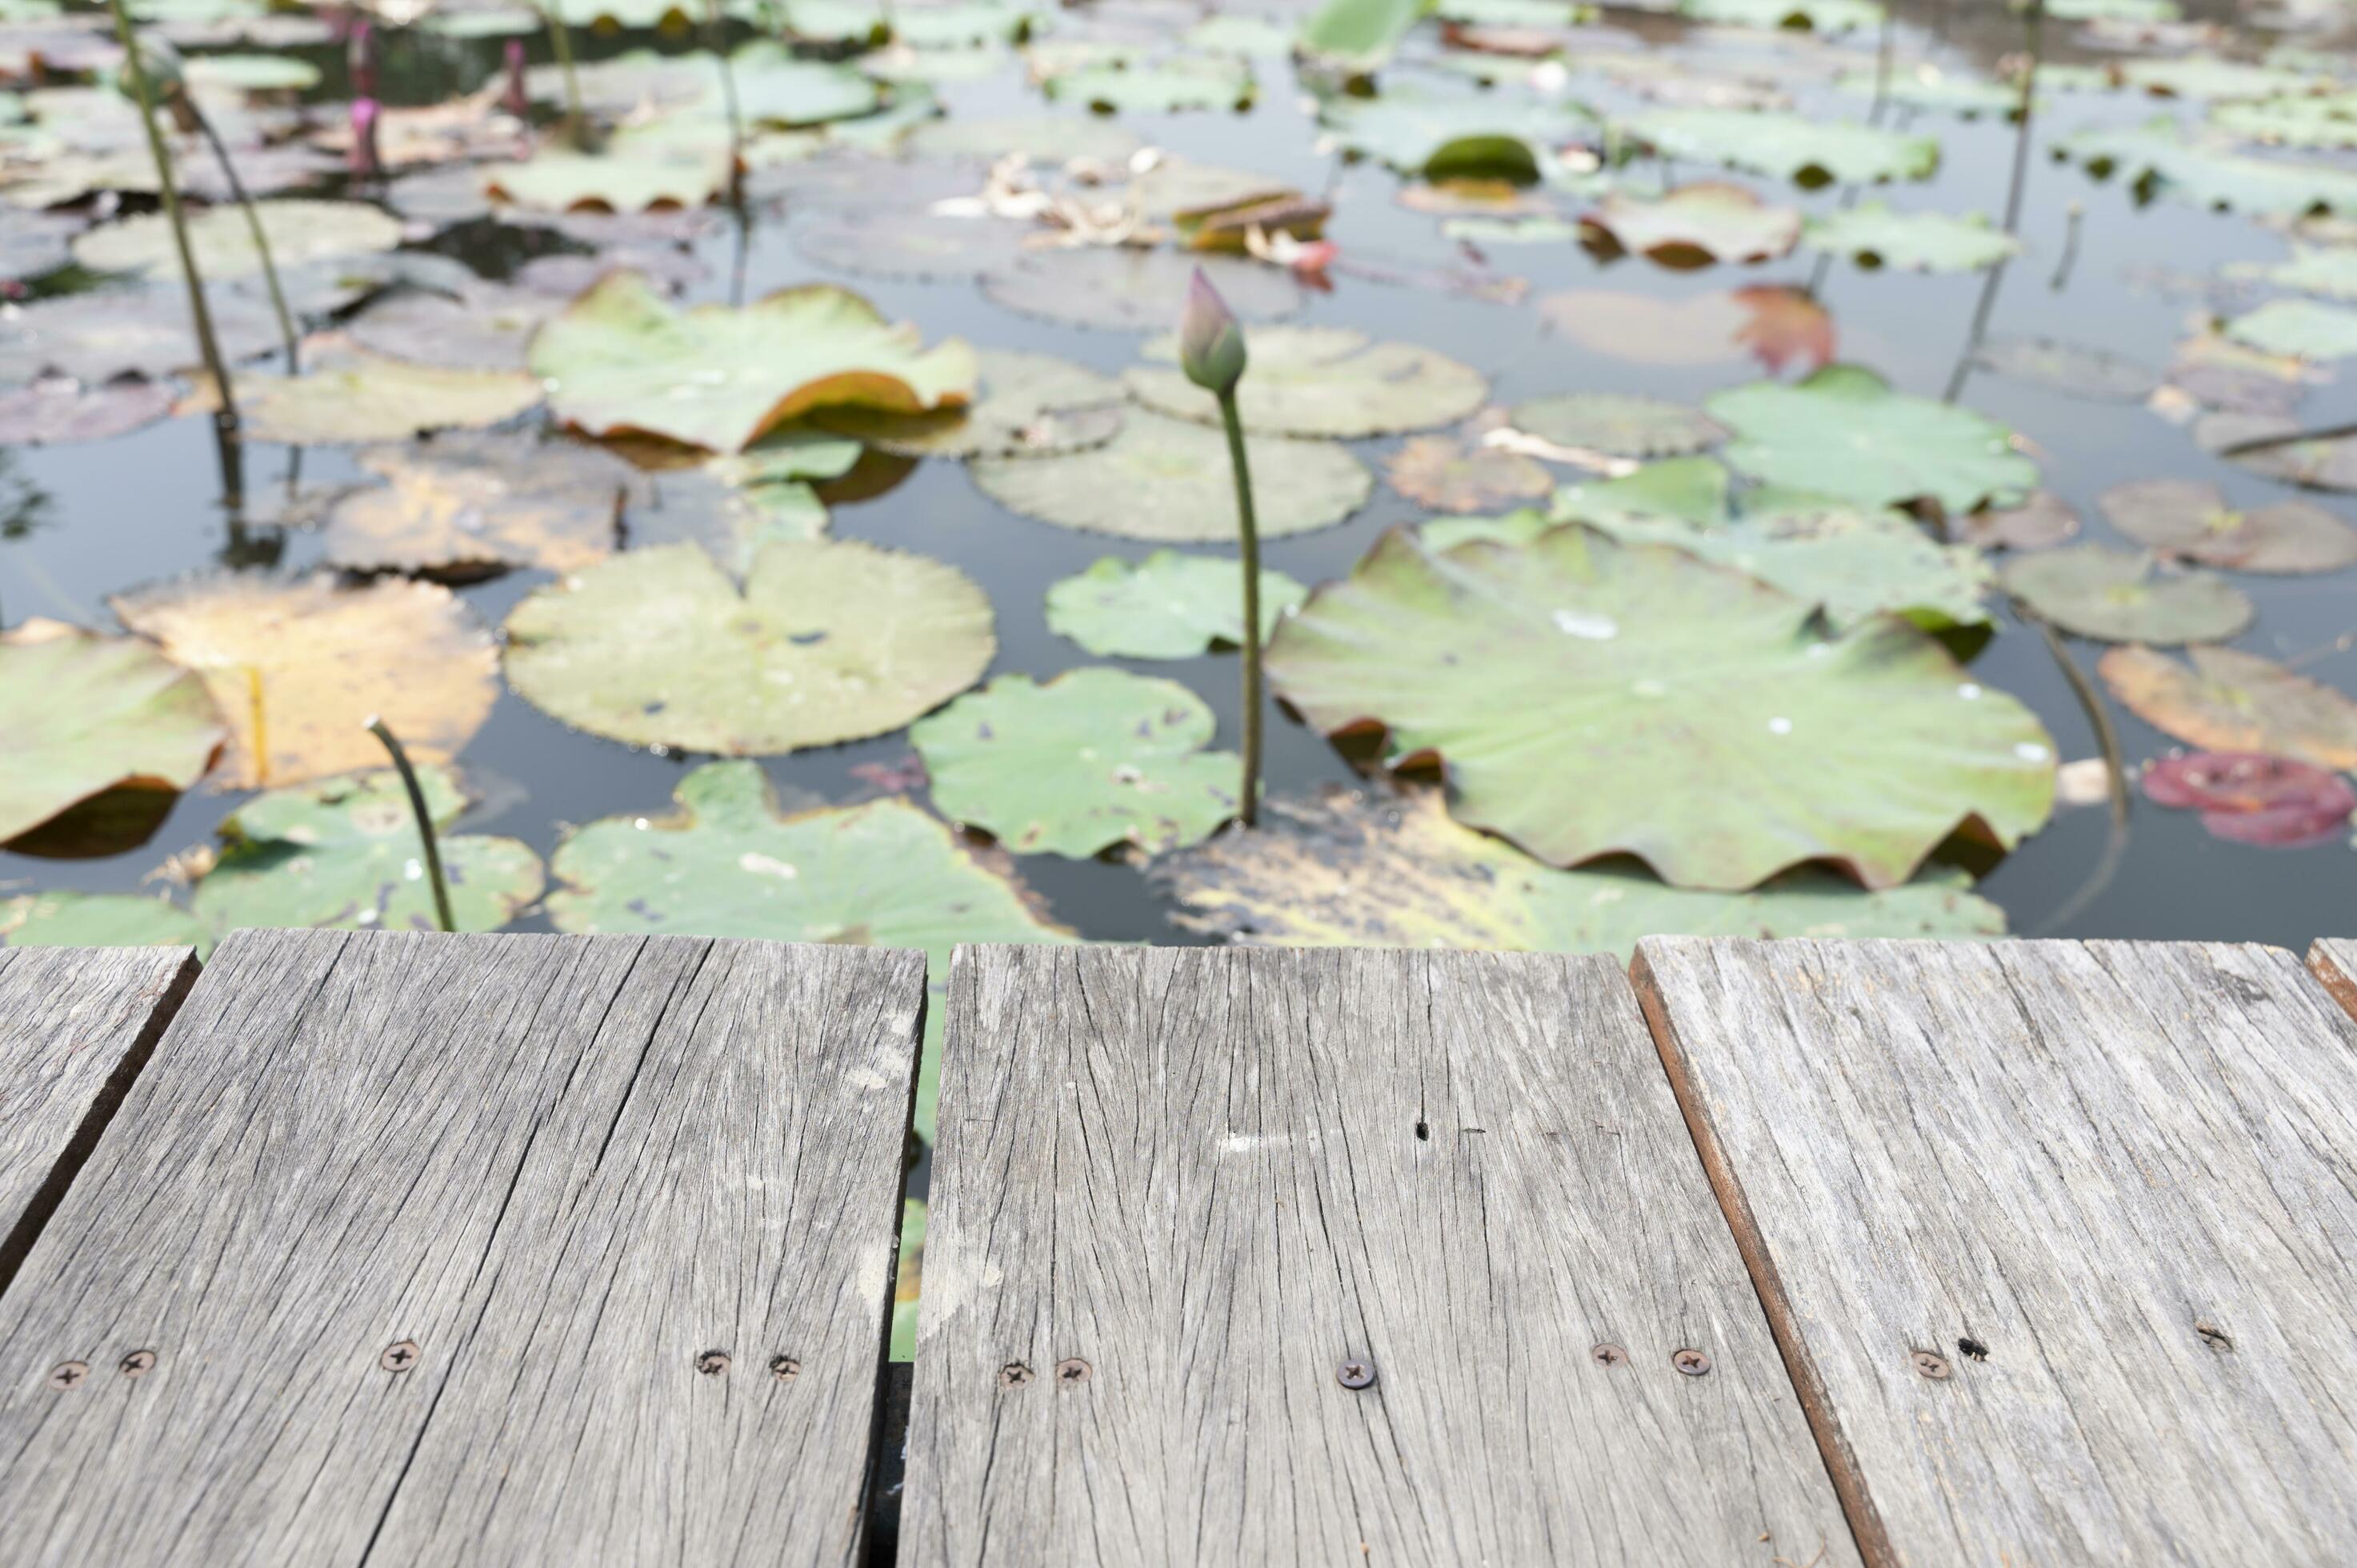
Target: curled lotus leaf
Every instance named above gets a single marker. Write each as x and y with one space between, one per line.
1320 381
1169 605
1843 432
2232 701
1589 698
1693 226
2126 595
2190 520
1027 405
85 713
638 179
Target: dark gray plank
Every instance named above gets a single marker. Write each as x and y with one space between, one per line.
1210 1175
2334 961
76 1026
562 1168
2111 1187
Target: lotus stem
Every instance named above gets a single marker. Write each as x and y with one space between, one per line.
237 190
2032 17
560 41
2107 740
1248 533
717 37
2070 247
377 727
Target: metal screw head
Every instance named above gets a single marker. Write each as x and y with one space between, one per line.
1610 1355
399 1356
1070 1370
712 1363
68 1375
1357 1372
1693 1363
137 1364
1014 1375
1932 1364
784 1368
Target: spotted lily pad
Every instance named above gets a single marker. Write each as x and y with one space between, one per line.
1589 698
1320 381
98 920
2232 701
298 232
85 713
1692 226
1619 424
826 641
296 666
1025 404
1873 235
345 853
1166 606
623 358
2190 520
468 504
1094 759
2124 596
1168 481
350 395
1843 432
1126 290
1788 146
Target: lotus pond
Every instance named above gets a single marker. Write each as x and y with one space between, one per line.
1720 468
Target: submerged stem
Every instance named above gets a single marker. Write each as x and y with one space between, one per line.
2107 740
378 728
1248 531
252 227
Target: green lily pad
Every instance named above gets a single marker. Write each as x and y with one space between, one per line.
2232 701
1843 434
2301 328
85 713
1589 698
1827 17
1212 81
1458 136
827 641
1124 290
1094 759
298 232
2122 596
1684 490
725 864
1873 235
623 358
1320 381
249 73
1788 146
2207 76
1026 405
621 180
465 505
1619 424
345 853
1168 481
2329 122
776 87
1166 606
99 920
2158 159
1365 868
1928 87
1356 35
2327 269
350 395
1693 226
732 506
2190 520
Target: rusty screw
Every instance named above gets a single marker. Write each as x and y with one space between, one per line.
1014 1374
399 1356
1693 1363
68 1375
137 1364
1933 1365
1610 1355
784 1368
1357 1372
1071 1371
712 1363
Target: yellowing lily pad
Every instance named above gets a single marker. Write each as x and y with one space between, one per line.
1169 605
298 232
468 504
2124 596
1320 381
2232 701
84 714
1449 475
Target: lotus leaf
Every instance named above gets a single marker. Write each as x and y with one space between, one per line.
2070 369
1693 226
345 853
1591 698
2329 122
1771 324
1617 424
903 244
85 713
470 504
107 333
1843 432
296 666
485 327
1166 480
1320 381
98 920
1356 35
1815 16
1449 475
1873 235
2158 159
1094 759
1040 138
2041 522
350 395
828 640
1027 405
622 179
1788 146
623 358
2190 520
1928 87
1126 290
2328 270
2122 596
2252 797
298 232
776 88
57 411
2206 75
1462 136
2232 701
1212 81
2299 328
1166 606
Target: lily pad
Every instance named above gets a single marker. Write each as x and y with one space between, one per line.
1770 323
1039 138
1788 146
1472 136
2302 328
904 244
1692 226
107 333
345 853
486 328
2040 523
1843 432
2158 159
827 641
1166 480
1589 698
1361 868
2232 701
1094 759
85 713
623 358
2122 596
2190 520
1320 381
2328 270
1163 87
1447 475
1356 35
468 504
296 666
622 179
725 863
55 412
1025 404
298 232
1124 290
1826 16
2251 798
1619 424
2071 369
1873 235
98 920
350 395
1166 606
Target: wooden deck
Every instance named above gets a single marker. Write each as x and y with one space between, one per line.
416 1249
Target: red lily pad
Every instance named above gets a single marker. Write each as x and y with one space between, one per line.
2250 797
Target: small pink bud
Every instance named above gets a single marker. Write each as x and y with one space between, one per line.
363 159
359 59
1211 344
517 99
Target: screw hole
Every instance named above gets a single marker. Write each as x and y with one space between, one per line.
1423 1133
712 1363
2214 1337
1968 1346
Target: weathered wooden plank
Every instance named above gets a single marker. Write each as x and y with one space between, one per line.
76 1026
2334 961
2112 1188
1176 1189
429 1236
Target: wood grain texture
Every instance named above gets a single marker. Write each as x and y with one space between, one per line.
76 1026
2112 1185
564 1168
2333 960
1199 1171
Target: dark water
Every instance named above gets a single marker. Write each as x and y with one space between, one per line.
143 507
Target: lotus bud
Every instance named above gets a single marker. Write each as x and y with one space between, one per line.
1211 344
359 59
363 159
517 99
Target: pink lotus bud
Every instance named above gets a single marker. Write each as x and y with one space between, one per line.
517 100
363 160
1211 344
361 57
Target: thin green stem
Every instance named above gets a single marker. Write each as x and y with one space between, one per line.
716 38
560 41
252 227
2107 740
1248 532
425 823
